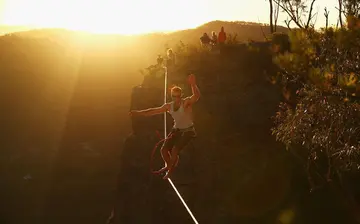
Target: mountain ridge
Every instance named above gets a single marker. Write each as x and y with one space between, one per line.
231 27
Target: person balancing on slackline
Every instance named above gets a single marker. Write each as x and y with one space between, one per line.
183 129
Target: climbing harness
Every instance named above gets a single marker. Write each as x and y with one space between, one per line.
162 141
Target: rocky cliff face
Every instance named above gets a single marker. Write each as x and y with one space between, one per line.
234 170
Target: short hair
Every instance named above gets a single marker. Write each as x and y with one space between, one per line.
176 89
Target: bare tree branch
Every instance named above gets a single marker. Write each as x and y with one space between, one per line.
290 12
287 22
326 14
310 14
262 30
295 10
276 16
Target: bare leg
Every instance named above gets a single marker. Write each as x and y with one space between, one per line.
174 160
165 154
177 160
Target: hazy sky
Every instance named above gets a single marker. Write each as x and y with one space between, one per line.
138 16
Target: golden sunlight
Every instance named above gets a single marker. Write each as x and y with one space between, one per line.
106 16
135 16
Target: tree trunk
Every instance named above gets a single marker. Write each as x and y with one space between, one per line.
340 13
271 17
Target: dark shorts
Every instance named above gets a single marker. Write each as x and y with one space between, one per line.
179 138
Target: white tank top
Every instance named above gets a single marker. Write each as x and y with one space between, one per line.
182 118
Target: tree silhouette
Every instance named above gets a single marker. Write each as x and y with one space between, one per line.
295 9
271 16
274 15
326 14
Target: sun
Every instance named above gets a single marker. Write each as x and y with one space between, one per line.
103 16
94 16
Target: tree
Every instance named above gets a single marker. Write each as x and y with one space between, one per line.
351 7
326 14
271 16
274 15
296 10
320 123
340 13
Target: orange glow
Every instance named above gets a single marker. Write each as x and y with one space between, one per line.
137 16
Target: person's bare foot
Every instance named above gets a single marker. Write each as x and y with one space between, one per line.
165 168
167 175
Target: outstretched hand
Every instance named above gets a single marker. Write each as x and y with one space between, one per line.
192 79
133 113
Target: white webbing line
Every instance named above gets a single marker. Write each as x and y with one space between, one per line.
165 135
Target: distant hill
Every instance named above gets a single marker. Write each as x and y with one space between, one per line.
145 47
12 29
244 31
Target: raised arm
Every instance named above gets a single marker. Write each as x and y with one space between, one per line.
194 88
151 111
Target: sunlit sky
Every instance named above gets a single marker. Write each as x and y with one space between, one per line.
140 16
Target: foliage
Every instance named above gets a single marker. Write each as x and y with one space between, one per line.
280 42
322 68
351 7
